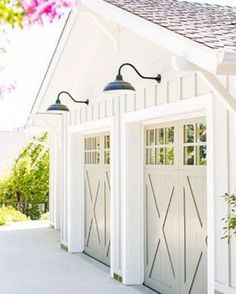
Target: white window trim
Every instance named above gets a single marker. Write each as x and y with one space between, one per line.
132 136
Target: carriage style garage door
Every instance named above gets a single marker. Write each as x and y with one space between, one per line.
175 207
97 197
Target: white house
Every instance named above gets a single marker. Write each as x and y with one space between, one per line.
135 181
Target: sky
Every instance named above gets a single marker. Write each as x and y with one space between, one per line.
26 61
28 55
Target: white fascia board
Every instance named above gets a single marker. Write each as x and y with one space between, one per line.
70 22
196 53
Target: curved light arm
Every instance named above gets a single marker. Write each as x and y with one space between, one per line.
157 78
76 101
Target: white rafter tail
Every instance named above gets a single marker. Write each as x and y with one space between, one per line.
227 63
181 63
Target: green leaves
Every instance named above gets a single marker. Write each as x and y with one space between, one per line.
28 182
230 220
11 13
9 214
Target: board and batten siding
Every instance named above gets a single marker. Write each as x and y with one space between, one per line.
225 171
186 85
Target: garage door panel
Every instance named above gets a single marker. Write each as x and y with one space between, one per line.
161 240
194 233
175 208
106 195
97 197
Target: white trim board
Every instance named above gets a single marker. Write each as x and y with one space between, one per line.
132 181
165 112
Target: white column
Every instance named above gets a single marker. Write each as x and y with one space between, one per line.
65 179
132 204
76 194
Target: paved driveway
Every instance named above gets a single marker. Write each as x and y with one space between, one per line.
31 262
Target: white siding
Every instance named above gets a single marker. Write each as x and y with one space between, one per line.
183 87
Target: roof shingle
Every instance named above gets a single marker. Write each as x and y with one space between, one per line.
211 25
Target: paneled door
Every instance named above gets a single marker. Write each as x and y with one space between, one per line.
175 207
97 197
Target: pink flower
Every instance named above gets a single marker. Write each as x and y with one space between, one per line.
45 10
7 88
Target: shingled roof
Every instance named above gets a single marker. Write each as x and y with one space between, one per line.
211 25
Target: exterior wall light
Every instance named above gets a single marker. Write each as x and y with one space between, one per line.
121 85
57 106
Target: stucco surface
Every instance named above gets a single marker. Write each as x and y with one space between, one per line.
31 261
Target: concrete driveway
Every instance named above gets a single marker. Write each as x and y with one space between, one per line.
31 262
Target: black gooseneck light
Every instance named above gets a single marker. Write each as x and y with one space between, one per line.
120 84
57 106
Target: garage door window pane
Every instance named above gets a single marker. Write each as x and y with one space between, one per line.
202 155
160 146
170 135
160 156
107 157
189 155
150 137
189 133
150 156
160 136
169 156
107 142
92 153
201 133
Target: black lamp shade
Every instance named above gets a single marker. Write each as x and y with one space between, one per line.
118 84
57 107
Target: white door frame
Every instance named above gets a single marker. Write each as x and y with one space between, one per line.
76 194
132 136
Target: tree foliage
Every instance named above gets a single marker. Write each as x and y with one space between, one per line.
230 219
28 183
11 12
24 12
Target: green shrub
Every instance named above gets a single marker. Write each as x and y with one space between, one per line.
14 215
10 214
27 185
2 218
45 216
230 219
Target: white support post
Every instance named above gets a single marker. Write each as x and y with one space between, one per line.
76 195
115 198
65 180
52 181
132 204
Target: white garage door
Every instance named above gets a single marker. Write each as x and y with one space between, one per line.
97 197
175 207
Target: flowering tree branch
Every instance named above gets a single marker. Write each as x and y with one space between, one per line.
26 12
23 13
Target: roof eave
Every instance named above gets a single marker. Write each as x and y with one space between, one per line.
197 53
